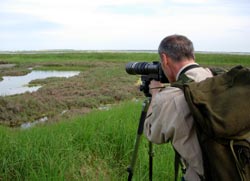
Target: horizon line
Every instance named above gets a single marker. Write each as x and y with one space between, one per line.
108 50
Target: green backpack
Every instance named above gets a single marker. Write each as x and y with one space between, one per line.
221 109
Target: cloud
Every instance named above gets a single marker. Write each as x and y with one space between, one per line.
12 22
122 24
190 1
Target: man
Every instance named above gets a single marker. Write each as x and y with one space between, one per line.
169 117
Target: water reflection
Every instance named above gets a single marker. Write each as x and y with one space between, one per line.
11 85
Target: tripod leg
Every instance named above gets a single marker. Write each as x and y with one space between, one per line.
138 138
151 155
134 157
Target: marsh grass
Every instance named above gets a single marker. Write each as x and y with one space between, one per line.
96 146
223 60
77 57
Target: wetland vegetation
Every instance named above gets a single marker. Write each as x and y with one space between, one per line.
79 141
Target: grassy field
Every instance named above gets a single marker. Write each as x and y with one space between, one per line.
97 146
85 143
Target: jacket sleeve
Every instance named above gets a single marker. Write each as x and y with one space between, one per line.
172 121
160 125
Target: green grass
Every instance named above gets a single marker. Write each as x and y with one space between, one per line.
223 60
210 59
97 146
74 57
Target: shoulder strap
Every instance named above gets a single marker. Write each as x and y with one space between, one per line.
182 80
188 68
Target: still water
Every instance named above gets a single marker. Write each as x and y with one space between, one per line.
11 85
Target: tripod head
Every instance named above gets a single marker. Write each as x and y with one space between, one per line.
144 87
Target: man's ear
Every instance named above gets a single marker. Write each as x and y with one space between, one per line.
164 59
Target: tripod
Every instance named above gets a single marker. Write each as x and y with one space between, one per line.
144 87
130 169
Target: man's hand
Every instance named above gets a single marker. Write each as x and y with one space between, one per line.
155 87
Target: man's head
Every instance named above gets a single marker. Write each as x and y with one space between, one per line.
175 51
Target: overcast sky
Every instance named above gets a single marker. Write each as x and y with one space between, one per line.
212 25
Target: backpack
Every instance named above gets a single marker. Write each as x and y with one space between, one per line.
220 106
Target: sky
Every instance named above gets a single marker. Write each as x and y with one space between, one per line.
212 25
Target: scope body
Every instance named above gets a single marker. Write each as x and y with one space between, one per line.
150 70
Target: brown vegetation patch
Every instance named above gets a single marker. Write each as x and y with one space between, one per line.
100 83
